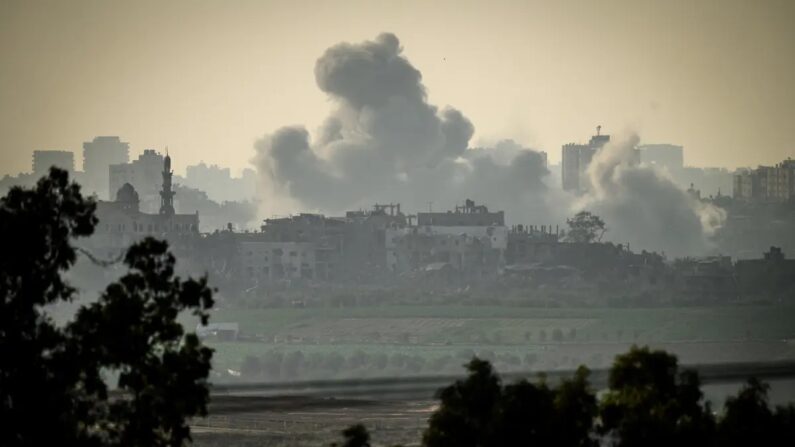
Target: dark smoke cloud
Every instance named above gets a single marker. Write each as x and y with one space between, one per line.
644 207
385 142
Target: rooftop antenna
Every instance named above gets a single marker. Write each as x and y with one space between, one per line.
598 130
430 207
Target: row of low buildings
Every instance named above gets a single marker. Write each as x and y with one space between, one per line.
370 245
467 245
360 246
771 277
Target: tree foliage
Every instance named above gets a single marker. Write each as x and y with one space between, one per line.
479 411
355 436
585 227
649 402
53 380
466 414
749 420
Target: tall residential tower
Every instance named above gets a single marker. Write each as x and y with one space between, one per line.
575 159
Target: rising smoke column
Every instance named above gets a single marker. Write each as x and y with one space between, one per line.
385 142
644 207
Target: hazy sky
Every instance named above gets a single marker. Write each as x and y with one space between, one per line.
207 78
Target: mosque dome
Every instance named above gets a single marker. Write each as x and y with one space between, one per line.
127 196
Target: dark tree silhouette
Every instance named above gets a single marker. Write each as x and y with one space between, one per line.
535 414
748 419
132 329
355 436
576 407
526 415
464 417
478 411
35 227
585 227
52 390
651 403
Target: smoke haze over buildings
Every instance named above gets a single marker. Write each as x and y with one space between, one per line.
386 142
643 206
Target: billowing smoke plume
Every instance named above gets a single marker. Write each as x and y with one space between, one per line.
642 206
384 142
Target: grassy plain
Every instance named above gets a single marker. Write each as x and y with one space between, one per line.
587 335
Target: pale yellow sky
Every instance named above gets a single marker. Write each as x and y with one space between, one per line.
207 78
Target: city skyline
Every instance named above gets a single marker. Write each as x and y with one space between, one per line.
208 81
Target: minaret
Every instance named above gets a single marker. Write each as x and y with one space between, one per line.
167 195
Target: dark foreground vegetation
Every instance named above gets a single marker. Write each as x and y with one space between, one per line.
650 402
54 378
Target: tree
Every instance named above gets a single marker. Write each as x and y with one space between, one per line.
464 417
355 436
133 330
53 386
576 407
525 416
35 226
651 403
479 411
585 227
748 419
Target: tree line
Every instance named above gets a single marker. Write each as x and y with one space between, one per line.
278 365
650 402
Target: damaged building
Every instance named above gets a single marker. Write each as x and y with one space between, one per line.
469 239
313 247
772 276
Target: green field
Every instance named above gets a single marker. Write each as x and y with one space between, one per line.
664 324
561 337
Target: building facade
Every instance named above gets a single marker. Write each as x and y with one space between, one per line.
468 239
121 222
268 262
766 183
145 176
575 159
98 155
467 215
43 160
